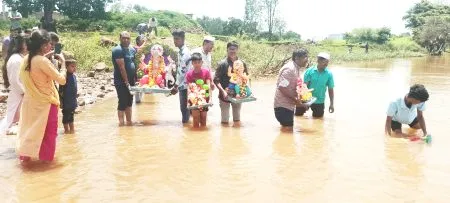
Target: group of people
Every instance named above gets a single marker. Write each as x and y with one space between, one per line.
40 81
32 71
196 64
191 66
407 109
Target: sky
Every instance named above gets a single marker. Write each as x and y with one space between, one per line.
310 18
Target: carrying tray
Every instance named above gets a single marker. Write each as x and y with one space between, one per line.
148 90
243 100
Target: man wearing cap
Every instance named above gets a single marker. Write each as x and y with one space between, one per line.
205 51
15 18
319 77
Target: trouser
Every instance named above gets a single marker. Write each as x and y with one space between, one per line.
225 111
317 109
183 106
153 28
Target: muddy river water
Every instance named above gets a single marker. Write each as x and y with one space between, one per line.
344 157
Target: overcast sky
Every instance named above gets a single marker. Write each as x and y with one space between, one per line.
310 18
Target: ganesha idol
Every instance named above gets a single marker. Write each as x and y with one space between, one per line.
155 69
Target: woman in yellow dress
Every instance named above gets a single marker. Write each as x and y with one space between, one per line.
38 122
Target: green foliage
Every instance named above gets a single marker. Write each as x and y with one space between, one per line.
213 26
430 25
363 35
291 35
415 16
234 26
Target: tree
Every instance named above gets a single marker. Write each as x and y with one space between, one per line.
84 9
25 7
251 18
234 26
371 35
435 34
140 9
271 8
279 26
291 35
428 22
213 26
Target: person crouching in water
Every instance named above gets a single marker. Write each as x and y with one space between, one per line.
68 96
408 110
199 73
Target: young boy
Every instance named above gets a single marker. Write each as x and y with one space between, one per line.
408 110
68 96
199 115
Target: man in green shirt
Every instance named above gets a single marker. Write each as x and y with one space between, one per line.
319 77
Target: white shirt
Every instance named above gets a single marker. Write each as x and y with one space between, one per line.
401 113
182 68
207 59
152 23
13 68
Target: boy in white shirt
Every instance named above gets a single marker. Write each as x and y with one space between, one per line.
408 110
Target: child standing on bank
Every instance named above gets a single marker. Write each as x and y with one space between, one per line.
199 115
68 96
408 110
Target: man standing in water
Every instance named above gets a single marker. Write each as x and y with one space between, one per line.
183 67
286 96
205 51
222 80
124 76
318 77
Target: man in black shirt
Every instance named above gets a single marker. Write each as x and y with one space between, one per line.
222 80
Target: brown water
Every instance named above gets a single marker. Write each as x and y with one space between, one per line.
343 158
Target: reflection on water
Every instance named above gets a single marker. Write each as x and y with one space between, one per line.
344 157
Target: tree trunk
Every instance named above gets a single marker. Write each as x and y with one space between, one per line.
48 22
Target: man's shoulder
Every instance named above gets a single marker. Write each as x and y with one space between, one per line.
117 48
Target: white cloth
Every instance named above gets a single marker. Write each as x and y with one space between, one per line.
16 91
206 57
152 23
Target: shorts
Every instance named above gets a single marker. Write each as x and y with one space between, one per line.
124 96
68 115
317 109
398 126
284 116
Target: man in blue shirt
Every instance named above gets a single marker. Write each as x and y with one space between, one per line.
408 110
318 77
124 76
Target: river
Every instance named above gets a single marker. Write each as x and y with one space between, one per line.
344 157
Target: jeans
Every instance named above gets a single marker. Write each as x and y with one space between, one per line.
183 106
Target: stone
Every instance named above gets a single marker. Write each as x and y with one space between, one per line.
100 67
101 95
102 87
91 74
81 103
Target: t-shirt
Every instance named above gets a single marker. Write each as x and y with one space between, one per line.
128 54
401 113
5 45
319 81
221 75
192 76
68 92
287 78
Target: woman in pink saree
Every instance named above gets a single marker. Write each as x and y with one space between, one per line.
38 122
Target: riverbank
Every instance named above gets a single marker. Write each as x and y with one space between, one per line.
93 86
